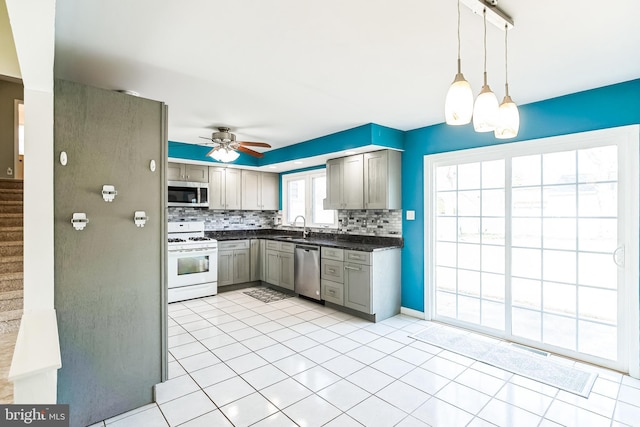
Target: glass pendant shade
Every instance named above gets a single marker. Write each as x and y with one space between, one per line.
508 119
458 106
485 111
225 155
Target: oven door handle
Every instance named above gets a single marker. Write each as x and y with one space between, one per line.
186 251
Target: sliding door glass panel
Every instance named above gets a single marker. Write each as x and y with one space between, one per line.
564 232
470 239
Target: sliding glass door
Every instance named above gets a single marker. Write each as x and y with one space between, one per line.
526 242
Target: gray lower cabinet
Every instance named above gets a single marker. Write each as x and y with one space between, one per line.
256 259
332 275
357 287
286 270
234 262
368 282
272 267
279 267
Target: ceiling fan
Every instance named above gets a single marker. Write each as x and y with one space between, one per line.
226 147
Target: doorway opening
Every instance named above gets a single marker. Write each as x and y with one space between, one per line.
19 139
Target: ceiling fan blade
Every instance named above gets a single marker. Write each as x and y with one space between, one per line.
204 137
254 144
250 152
213 150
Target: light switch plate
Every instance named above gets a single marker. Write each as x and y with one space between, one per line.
411 215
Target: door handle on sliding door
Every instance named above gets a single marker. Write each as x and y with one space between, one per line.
618 256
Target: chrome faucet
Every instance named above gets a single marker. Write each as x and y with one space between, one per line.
304 225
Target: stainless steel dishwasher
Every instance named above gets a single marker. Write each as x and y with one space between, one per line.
306 278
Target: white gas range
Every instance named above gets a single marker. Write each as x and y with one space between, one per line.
193 262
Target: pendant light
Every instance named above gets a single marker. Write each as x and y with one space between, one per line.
458 105
485 109
508 115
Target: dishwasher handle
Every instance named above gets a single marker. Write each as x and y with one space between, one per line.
308 248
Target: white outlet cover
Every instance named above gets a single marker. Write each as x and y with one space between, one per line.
411 215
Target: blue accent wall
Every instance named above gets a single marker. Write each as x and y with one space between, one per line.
605 107
361 136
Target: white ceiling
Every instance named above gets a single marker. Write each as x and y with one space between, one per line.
286 71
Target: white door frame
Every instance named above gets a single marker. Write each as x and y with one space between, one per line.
628 138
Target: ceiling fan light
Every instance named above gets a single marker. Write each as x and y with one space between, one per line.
508 122
458 106
225 155
485 111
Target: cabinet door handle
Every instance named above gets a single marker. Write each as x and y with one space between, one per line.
348 267
331 270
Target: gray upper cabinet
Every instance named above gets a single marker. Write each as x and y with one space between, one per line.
335 179
382 180
260 190
185 172
224 188
365 181
345 183
175 171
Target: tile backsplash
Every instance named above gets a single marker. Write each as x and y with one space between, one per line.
225 220
382 222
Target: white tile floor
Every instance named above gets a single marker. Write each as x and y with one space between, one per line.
237 361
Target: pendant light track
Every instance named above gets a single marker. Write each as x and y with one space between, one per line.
494 14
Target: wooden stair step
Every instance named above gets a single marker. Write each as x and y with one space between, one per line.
13 248
11 233
11 281
11 264
11 183
11 300
10 321
11 221
11 194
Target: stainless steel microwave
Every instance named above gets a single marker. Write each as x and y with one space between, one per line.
181 193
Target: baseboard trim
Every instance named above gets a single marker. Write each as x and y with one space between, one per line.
413 313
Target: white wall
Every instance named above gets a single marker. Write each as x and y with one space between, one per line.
32 24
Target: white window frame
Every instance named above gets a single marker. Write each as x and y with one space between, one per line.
308 177
627 138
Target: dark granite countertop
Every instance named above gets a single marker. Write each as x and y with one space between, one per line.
341 241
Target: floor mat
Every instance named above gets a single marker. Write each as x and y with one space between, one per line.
511 358
267 295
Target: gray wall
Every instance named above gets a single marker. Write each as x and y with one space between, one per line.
9 91
109 278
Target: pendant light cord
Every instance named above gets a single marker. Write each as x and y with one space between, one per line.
459 66
458 29
506 59
484 15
